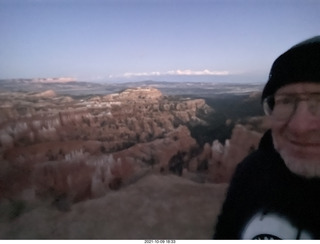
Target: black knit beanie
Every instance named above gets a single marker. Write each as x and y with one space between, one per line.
301 63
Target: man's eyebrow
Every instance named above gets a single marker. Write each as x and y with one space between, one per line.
297 93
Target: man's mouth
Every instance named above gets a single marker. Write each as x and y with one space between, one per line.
306 144
302 148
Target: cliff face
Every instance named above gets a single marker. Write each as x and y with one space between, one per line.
71 149
78 149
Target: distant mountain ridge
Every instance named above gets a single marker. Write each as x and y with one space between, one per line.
41 80
73 87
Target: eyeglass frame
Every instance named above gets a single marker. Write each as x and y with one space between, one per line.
311 98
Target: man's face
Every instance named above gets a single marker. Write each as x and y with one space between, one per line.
297 136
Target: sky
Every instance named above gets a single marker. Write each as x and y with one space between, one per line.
169 40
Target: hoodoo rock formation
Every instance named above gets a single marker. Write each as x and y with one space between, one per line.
69 149
224 159
81 148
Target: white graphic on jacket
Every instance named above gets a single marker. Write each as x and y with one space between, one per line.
271 226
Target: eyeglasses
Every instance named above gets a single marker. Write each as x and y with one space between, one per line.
283 106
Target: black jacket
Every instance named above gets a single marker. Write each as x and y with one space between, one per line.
265 200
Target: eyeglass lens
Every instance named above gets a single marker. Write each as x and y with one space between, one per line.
283 106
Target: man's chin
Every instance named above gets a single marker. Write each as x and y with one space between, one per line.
308 168
305 163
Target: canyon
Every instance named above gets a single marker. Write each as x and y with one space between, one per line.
61 152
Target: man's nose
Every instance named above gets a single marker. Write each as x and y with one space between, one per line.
302 120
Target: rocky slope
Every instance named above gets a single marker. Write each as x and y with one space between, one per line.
156 207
